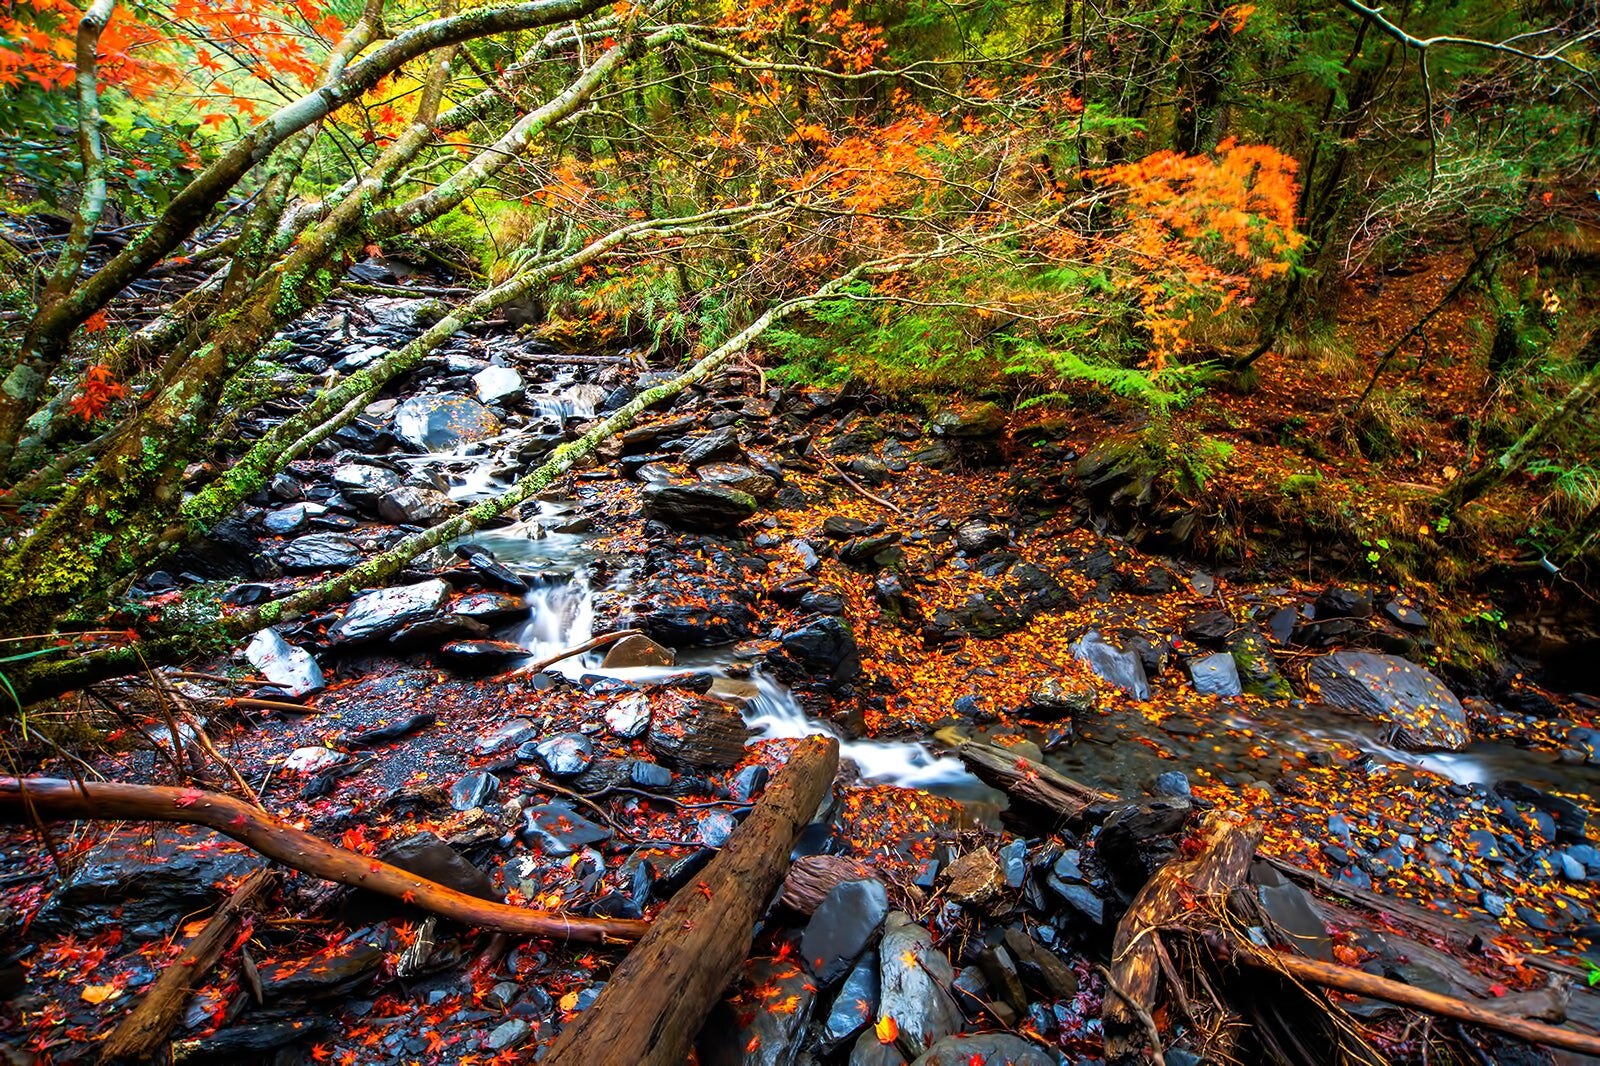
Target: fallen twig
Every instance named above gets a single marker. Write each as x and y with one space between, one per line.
589 645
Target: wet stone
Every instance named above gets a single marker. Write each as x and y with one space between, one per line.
474 790
1216 675
439 423
825 646
560 830
425 855
749 783
1209 628
987 1049
701 507
567 755
765 1025
290 668
629 717
649 775
319 551
975 538
856 1004
741 477
1121 668
312 759
364 485
508 1034
637 650
377 614
504 737
842 927
721 446
1014 863
494 384
1173 783
1393 690
715 827
483 656
491 569
915 986
289 519
414 506
491 607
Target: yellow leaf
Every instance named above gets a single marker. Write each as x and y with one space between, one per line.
886 1029
100 993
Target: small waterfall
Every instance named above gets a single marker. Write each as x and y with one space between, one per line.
562 617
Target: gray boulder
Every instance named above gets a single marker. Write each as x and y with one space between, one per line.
702 507
290 668
440 423
377 614
1122 668
916 979
1216 675
1425 714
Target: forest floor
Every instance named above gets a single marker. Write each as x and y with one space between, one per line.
909 579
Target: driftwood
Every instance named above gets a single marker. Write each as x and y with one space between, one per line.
589 645
657 1000
1035 786
1176 896
143 1030
57 800
1361 983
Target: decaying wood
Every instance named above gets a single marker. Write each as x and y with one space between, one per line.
57 800
1175 896
812 877
1361 983
1035 785
143 1030
657 1000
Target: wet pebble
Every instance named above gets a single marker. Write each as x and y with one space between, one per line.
567 755
474 790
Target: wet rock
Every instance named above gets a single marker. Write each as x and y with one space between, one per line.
649 775
490 607
629 717
1041 969
290 668
987 1049
1173 783
1121 668
703 734
319 551
1003 978
841 527
1209 628
714 828
312 759
637 650
741 477
1390 689
287 520
1054 700
700 507
474 790
560 830
483 656
749 783
505 736
975 537
509 1034
764 1025
377 614
146 882
721 446
247 595
491 569
856 1004
425 855
248 1043
1216 675
412 506
713 617
1405 615
438 423
364 485
969 422
842 927
567 755
496 384
975 879
1135 840
1258 671
825 646
916 978
1292 911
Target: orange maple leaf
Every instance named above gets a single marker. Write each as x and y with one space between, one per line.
886 1030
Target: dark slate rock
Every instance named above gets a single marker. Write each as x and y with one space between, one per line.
749 783
741 477
1258 671
629 717
1172 783
976 537
505 736
474 790
427 856
249 1043
567 755
560 830
377 614
721 446
1216 675
649 775
1121 668
986 1049
1209 628
491 569
363 484
483 656
764 1028
145 883
699 507
290 668
285 520
492 607
1425 714
915 986
856 1004
1084 900
842 927
326 976
973 421
319 551
841 527
438 423
1292 911
825 646
411 505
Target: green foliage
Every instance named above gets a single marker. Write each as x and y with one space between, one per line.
1180 456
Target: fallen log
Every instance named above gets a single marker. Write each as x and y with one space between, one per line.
659 997
1035 786
1359 982
143 1030
1185 893
57 800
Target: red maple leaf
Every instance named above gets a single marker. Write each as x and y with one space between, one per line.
189 797
99 390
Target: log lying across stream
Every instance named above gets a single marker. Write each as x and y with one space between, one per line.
659 997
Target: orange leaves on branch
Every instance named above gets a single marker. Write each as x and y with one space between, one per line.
100 389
